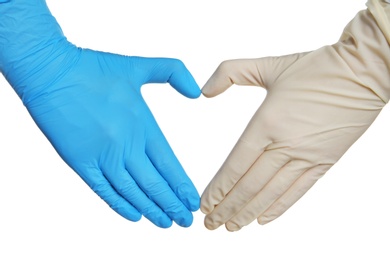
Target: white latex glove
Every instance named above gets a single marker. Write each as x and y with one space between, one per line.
317 105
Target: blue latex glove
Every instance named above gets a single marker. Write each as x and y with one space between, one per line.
89 105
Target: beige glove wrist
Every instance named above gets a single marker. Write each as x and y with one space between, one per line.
318 104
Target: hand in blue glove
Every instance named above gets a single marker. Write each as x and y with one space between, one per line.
89 105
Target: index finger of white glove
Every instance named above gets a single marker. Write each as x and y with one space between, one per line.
247 150
235 166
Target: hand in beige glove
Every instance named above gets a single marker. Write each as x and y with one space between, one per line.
317 105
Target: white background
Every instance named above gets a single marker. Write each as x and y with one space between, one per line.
47 212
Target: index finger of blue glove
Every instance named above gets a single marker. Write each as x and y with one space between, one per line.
167 164
157 189
168 70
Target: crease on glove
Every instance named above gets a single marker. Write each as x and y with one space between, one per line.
381 12
364 45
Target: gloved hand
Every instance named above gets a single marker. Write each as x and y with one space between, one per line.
317 105
89 106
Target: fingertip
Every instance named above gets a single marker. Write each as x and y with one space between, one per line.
135 217
205 206
215 86
163 224
185 221
263 220
193 204
220 80
204 209
189 89
128 213
232 227
182 80
157 217
180 215
210 223
189 196
207 93
194 93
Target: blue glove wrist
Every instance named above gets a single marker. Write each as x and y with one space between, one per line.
32 47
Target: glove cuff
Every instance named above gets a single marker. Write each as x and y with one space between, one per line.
32 45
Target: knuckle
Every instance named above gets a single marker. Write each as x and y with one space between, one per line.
174 64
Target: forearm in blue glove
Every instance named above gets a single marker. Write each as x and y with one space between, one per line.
89 105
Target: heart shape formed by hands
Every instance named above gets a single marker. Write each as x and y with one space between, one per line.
89 105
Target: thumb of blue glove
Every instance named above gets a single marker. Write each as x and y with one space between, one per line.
89 105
